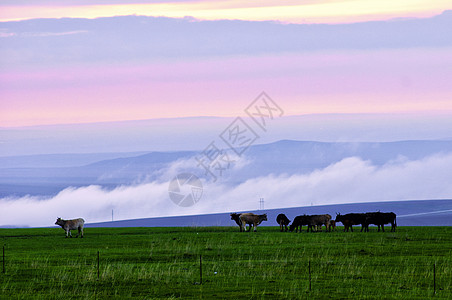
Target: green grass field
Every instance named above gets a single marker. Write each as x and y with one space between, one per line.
150 263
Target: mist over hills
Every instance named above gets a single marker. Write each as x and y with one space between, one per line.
287 173
110 170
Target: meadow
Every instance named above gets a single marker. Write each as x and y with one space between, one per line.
164 263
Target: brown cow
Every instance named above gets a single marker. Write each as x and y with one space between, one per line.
315 221
69 225
236 218
333 225
252 220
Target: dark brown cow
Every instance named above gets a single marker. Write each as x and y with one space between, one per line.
250 218
333 225
316 221
351 219
380 219
283 221
69 225
312 221
236 218
298 223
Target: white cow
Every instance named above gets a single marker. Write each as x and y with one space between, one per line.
69 225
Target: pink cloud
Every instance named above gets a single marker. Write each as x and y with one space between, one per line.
349 82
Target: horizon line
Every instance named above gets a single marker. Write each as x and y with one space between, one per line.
378 18
401 113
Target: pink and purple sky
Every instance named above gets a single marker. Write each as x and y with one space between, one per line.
111 69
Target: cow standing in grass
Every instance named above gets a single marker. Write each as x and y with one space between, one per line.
252 220
236 218
380 219
69 225
333 225
316 222
283 222
352 219
298 222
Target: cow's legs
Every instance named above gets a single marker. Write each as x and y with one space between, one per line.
79 232
383 227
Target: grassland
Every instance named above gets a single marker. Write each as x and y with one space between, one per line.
150 263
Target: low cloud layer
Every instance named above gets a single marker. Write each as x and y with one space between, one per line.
350 180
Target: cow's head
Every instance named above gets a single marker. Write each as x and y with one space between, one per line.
264 217
234 216
59 221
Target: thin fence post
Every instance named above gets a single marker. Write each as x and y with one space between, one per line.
200 269
309 269
4 269
98 263
434 278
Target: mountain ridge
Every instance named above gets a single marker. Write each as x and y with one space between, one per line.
281 157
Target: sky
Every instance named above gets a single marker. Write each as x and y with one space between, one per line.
108 76
212 58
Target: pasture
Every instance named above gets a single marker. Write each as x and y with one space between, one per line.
150 263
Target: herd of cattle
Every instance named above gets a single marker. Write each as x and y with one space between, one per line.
315 222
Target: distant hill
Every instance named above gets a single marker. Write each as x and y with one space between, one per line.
282 157
409 213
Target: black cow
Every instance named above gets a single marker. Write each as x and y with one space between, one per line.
299 221
352 219
380 219
283 221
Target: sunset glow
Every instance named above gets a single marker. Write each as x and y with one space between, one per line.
283 11
98 70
